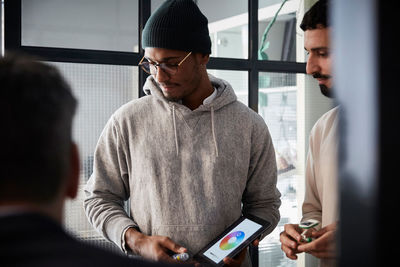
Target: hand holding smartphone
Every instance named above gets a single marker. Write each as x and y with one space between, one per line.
233 240
307 227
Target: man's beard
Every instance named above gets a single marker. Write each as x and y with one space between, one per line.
326 91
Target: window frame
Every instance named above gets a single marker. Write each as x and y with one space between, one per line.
12 21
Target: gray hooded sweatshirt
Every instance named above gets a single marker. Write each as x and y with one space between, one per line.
186 173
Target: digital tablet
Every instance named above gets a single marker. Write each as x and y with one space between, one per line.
230 242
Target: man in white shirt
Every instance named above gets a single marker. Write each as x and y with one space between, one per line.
320 201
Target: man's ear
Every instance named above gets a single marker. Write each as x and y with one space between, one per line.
74 169
203 58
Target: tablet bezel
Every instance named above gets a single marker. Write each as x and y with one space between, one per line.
265 225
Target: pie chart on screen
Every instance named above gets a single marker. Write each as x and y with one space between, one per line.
231 240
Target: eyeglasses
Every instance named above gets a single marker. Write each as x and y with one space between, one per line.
170 69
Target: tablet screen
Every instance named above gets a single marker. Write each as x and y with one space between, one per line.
230 241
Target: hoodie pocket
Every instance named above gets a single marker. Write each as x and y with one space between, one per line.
192 237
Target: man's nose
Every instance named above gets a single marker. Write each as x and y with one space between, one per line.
312 65
161 75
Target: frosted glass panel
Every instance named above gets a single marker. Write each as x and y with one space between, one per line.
238 80
278 106
84 24
100 90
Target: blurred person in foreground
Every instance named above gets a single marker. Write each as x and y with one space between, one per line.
39 170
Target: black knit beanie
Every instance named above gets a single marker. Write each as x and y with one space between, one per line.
178 25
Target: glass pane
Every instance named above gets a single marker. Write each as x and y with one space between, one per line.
278 107
228 29
84 24
277 30
238 80
100 90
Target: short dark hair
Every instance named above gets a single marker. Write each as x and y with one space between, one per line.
316 16
37 108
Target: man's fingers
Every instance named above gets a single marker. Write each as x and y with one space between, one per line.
315 246
171 245
163 256
306 247
323 247
237 260
288 241
328 236
292 256
228 261
256 242
320 233
292 230
232 262
161 248
290 253
328 228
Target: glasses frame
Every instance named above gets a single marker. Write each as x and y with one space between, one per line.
159 65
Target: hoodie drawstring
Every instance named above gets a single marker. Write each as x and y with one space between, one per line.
176 136
213 131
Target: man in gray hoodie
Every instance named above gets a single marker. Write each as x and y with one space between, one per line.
190 158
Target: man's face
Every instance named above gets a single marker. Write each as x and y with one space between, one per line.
185 81
317 45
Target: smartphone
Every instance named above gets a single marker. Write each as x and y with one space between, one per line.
233 240
308 224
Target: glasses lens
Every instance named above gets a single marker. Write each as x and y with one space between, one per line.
151 68
169 69
146 67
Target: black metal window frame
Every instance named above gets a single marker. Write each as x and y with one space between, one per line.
13 16
12 42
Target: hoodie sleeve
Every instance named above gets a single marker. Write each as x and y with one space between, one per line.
261 197
108 187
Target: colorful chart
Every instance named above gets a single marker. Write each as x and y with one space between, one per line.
231 240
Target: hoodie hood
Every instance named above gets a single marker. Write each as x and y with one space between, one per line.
225 93
225 96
